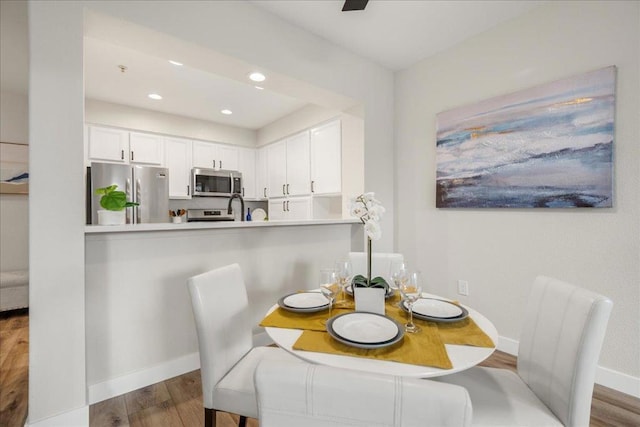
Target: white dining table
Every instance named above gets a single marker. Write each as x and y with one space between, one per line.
462 356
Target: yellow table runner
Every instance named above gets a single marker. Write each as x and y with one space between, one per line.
424 348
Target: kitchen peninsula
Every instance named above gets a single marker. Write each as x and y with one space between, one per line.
139 321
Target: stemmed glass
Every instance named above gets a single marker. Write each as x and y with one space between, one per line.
398 273
343 277
411 290
328 287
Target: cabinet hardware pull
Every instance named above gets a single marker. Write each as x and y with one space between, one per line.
214 164
283 192
132 156
287 206
220 164
283 209
188 191
265 192
121 154
242 191
312 186
287 188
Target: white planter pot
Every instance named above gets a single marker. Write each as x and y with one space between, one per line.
370 300
106 217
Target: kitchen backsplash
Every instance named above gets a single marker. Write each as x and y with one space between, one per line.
216 203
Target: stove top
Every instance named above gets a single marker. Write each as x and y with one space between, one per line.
194 215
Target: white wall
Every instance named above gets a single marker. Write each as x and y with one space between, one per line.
14 208
238 29
107 113
57 380
501 251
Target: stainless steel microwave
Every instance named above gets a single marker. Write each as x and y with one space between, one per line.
215 182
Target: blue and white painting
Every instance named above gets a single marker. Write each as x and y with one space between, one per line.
550 146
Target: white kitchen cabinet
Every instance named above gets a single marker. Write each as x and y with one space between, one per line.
261 173
298 167
288 169
146 148
178 158
326 155
108 145
247 166
277 169
216 156
290 208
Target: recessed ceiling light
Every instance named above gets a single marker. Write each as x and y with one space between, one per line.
257 77
226 112
259 87
155 96
179 64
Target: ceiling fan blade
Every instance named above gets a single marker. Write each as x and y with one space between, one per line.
354 5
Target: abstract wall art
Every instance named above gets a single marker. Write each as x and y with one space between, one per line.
550 146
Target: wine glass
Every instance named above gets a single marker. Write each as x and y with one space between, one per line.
329 286
398 273
411 291
343 276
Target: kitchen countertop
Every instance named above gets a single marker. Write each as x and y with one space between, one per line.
96 229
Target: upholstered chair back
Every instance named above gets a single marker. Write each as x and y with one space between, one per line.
302 394
220 308
380 263
560 345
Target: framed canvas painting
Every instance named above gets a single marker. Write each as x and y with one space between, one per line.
550 146
14 168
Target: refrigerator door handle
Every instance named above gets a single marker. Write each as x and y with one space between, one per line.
127 191
138 200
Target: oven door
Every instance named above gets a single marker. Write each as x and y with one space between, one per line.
211 183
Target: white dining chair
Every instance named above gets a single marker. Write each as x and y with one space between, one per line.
560 343
227 359
380 263
303 394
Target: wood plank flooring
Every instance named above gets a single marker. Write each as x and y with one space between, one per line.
177 402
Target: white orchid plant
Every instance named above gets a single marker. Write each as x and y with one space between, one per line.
369 210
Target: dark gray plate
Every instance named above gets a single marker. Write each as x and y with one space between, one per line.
301 310
463 316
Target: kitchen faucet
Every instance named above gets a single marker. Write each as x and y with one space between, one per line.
230 211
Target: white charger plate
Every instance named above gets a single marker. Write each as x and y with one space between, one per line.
436 308
426 305
397 338
304 302
365 328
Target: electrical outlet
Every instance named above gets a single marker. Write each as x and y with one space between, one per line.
463 287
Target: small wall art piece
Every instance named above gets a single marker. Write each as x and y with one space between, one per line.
550 146
14 168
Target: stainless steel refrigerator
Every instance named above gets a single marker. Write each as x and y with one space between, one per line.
146 185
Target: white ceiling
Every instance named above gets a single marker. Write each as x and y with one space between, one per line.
397 33
393 33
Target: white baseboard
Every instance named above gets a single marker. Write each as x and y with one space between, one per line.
135 380
74 418
604 376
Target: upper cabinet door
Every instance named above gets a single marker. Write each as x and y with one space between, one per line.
106 144
178 153
326 155
277 169
204 154
214 156
247 165
227 157
298 168
146 149
261 173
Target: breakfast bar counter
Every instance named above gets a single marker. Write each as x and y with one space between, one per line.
205 225
139 322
